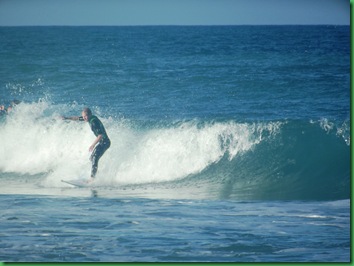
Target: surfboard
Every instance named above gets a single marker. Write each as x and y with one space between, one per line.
77 183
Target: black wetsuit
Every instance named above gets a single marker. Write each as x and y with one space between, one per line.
98 129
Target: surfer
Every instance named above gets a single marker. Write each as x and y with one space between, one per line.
4 110
100 144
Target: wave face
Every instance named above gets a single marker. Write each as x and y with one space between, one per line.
286 159
305 161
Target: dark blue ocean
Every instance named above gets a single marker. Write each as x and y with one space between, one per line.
229 144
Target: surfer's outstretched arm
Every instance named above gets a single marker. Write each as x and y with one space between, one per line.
74 118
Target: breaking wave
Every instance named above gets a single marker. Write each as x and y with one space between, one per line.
242 160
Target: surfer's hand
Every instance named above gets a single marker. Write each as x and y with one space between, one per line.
91 147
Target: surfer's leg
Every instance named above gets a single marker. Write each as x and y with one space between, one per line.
95 157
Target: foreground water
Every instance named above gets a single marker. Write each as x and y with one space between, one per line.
136 229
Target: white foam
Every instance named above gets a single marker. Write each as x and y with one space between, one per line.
35 140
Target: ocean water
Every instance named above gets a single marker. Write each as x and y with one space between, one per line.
229 144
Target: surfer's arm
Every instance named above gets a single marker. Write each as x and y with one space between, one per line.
99 137
74 118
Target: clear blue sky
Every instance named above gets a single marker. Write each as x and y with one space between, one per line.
173 12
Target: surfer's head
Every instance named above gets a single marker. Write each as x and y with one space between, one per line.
86 114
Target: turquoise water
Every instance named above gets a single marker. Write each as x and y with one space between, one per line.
228 143
138 229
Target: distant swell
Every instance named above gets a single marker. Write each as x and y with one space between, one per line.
241 160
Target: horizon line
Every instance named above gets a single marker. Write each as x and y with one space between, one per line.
174 25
